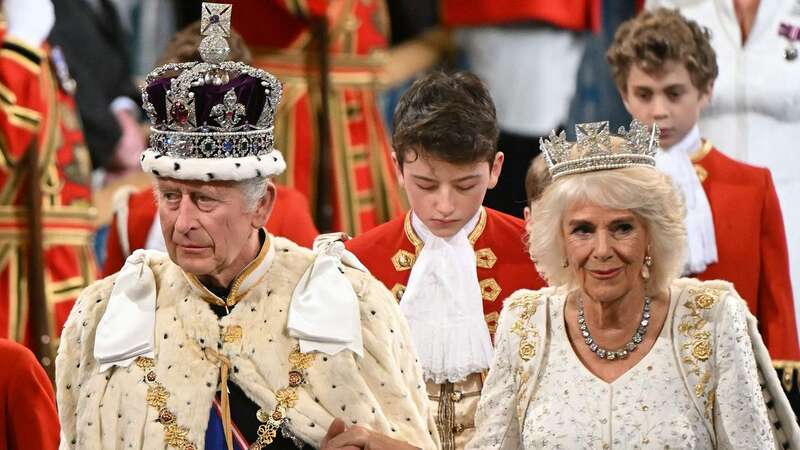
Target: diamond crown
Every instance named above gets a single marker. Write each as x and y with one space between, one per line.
211 109
595 149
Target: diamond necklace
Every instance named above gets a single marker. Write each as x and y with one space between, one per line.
623 352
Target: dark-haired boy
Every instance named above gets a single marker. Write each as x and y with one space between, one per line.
449 261
664 68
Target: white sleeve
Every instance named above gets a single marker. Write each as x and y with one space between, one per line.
740 415
496 419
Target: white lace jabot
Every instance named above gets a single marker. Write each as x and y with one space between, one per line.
444 306
701 243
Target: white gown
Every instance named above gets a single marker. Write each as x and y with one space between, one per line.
648 407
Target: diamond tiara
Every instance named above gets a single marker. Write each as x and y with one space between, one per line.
594 150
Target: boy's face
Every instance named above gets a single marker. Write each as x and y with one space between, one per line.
667 98
445 195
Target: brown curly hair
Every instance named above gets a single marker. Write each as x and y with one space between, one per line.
657 37
185 43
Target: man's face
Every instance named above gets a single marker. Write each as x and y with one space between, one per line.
667 98
208 229
445 195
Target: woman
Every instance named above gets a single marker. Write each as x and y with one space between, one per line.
619 352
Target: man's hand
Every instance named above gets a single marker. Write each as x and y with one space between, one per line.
341 437
130 146
29 20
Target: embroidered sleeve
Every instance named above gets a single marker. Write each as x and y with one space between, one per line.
496 419
740 416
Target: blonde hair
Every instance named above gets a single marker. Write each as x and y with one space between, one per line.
641 190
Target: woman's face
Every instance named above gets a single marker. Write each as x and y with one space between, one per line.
605 248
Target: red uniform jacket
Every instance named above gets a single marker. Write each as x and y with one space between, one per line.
290 219
503 264
36 111
578 15
751 245
27 403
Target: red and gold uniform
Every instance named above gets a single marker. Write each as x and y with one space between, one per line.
36 112
503 266
578 15
363 189
751 247
289 218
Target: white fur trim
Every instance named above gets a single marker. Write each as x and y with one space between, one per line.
210 169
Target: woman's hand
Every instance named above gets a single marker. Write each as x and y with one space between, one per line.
342 437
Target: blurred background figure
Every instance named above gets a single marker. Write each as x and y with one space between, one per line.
46 217
29 415
754 114
94 44
528 53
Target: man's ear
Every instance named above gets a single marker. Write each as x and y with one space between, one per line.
497 167
526 213
264 206
398 170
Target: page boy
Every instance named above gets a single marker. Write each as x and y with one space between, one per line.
449 261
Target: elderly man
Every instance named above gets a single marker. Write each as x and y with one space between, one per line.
236 339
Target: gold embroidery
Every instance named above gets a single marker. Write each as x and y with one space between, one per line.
285 398
491 321
398 290
698 349
231 334
490 290
403 260
485 257
157 395
528 336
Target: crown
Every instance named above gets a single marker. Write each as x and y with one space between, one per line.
594 150
212 119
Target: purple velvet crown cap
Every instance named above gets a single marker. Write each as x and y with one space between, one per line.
248 89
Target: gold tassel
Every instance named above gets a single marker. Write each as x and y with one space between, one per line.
224 369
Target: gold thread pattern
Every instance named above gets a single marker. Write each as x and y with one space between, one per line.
485 258
698 349
528 336
285 399
174 435
490 290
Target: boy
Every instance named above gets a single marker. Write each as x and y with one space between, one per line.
664 68
445 156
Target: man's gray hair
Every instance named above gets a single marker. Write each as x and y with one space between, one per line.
253 190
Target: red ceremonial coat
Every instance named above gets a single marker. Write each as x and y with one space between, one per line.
577 15
503 263
751 245
27 402
37 112
362 190
290 219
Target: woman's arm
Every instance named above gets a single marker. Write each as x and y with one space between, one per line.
740 415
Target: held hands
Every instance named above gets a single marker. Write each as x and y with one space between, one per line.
29 20
342 437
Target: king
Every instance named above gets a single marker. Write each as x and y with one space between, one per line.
235 339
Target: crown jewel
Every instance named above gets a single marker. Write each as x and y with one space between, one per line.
204 113
594 150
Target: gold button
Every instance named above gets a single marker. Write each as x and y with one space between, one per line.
456 396
232 333
458 428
